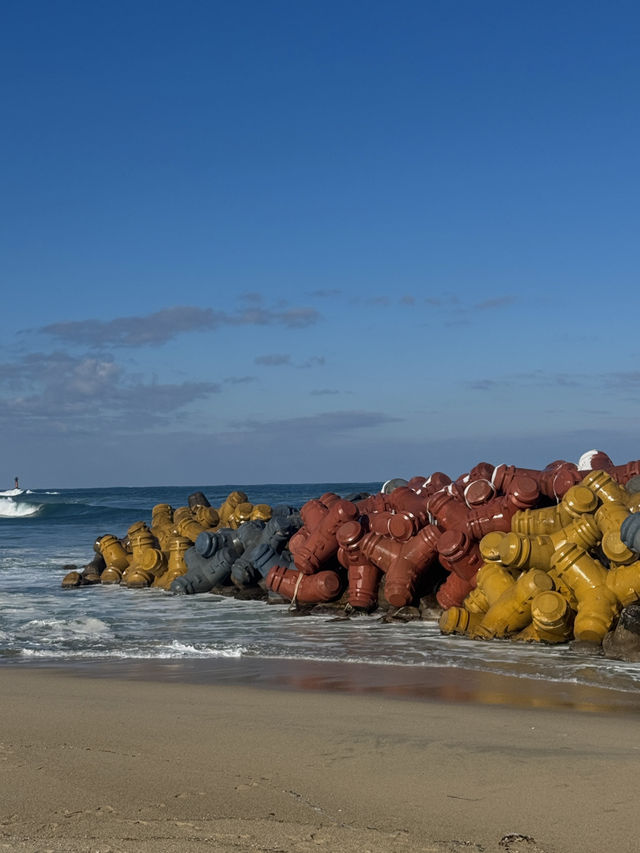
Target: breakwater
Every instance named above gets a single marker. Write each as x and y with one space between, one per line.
545 556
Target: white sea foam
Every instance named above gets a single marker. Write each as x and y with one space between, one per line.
178 649
64 629
11 493
11 509
172 651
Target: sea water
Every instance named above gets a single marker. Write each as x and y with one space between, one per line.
42 530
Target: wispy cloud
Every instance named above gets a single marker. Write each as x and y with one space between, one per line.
291 318
152 329
239 380
337 423
252 297
162 326
276 359
497 302
84 393
621 381
312 361
557 379
324 392
446 300
374 300
273 359
629 378
325 293
534 378
482 384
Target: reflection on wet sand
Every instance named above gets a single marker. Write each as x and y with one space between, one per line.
444 684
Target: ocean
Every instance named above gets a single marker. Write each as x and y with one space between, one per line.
42 530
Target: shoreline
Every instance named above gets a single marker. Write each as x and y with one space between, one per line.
416 683
138 764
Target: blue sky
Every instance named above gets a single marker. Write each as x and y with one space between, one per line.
277 241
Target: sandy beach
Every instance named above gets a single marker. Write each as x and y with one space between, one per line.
122 764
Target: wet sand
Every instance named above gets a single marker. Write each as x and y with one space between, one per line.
128 757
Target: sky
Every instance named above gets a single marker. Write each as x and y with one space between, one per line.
293 241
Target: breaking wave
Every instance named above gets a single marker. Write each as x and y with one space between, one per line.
20 509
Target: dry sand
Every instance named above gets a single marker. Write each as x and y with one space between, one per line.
112 764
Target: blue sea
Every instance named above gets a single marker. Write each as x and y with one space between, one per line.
41 624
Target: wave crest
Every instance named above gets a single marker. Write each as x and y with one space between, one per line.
13 509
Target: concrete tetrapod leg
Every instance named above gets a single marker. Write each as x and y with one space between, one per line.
551 620
624 582
583 532
196 499
207 516
364 577
176 567
553 482
147 561
624 473
252 535
453 591
605 487
457 620
228 506
149 565
610 517
208 543
265 558
321 544
93 570
492 580
512 611
203 573
586 577
459 553
306 589
404 563
520 553
577 501
115 557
